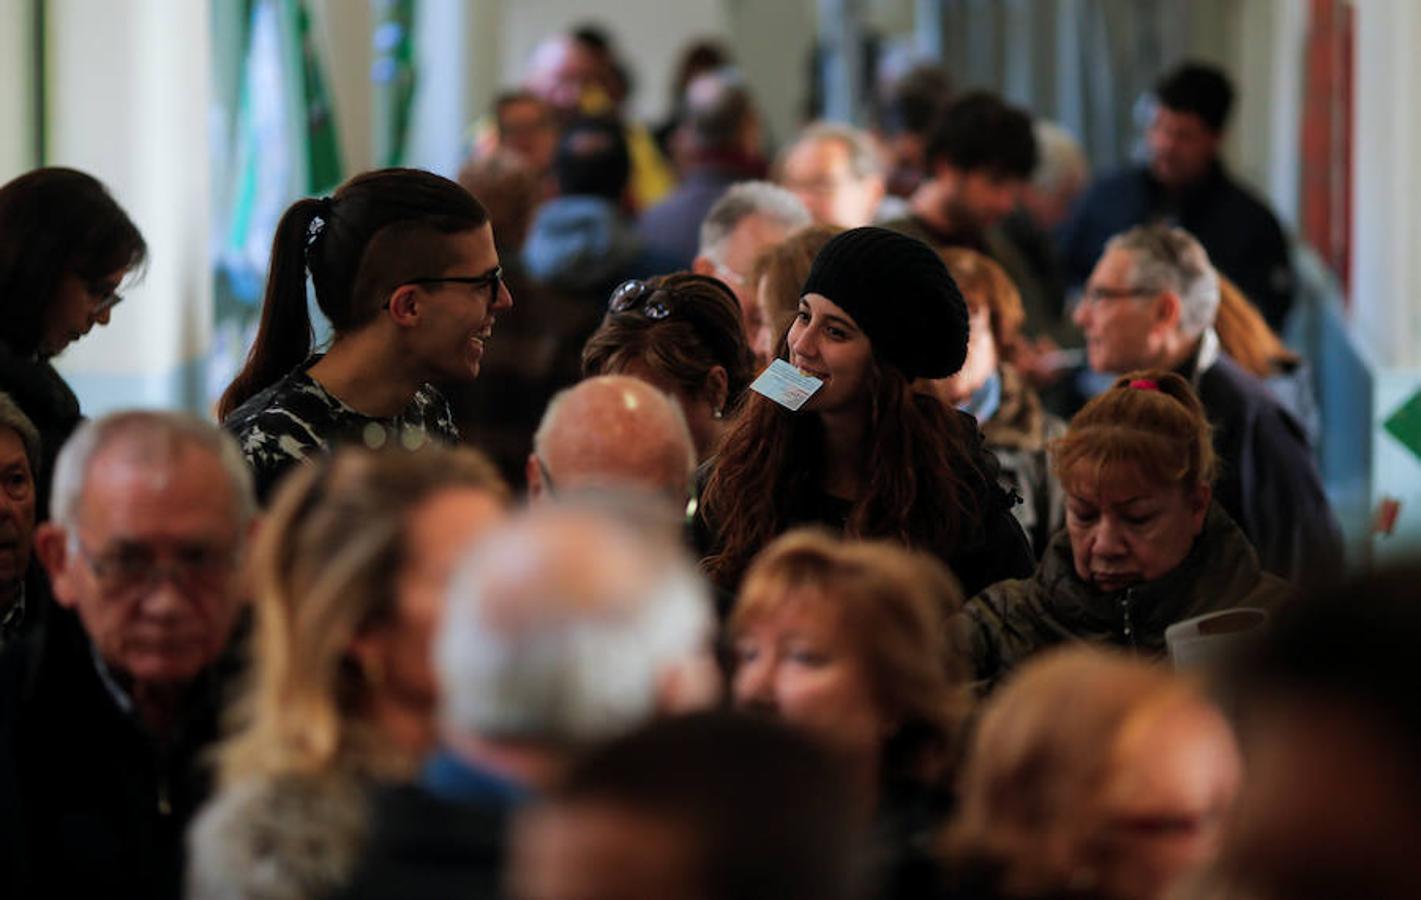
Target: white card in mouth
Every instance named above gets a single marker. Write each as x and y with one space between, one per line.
786 385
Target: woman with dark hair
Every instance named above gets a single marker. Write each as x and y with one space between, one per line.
404 266
681 333
866 454
65 247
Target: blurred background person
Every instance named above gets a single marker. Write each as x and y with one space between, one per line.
1145 545
836 171
1024 241
1091 774
1015 426
908 109
979 155
349 575
845 640
749 218
1183 182
581 241
107 714
563 629
711 806
24 591
696 58
538 351
66 247
721 143
1332 803
682 334
866 455
527 126
613 432
1151 303
777 274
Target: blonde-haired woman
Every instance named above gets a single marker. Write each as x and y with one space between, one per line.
349 571
847 640
1144 546
1091 774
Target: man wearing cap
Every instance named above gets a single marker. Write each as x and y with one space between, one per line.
1185 183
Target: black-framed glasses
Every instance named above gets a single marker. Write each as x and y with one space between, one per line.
492 280
132 570
638 296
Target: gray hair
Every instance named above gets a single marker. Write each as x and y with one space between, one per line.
1169 258
157 432
745 199
863 155
14 418
1060 160
561 627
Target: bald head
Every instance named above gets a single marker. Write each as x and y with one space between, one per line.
612 431
565 626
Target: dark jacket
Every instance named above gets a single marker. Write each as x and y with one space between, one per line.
1011 621
583 245
444 837
1018 433
1268 481
422 846
672 227
49 403
91 804
997 549
1242 236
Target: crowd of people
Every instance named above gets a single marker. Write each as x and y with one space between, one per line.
669 518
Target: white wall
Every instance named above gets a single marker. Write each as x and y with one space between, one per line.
16 88
129 103
1386 179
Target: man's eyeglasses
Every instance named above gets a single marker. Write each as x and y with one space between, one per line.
1094 295
133 570
493 280
632 296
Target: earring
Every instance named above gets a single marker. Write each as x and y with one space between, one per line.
718 414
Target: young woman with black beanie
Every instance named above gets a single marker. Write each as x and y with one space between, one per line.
867 455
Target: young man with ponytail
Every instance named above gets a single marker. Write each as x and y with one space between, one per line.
403 265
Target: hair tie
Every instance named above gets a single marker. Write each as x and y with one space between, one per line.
325 209
1145 384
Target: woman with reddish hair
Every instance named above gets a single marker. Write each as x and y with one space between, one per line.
1144 547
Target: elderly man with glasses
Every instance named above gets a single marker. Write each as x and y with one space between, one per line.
106 711
1151 304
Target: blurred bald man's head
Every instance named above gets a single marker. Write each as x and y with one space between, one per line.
612 431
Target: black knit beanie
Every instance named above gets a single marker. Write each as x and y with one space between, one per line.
899 292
